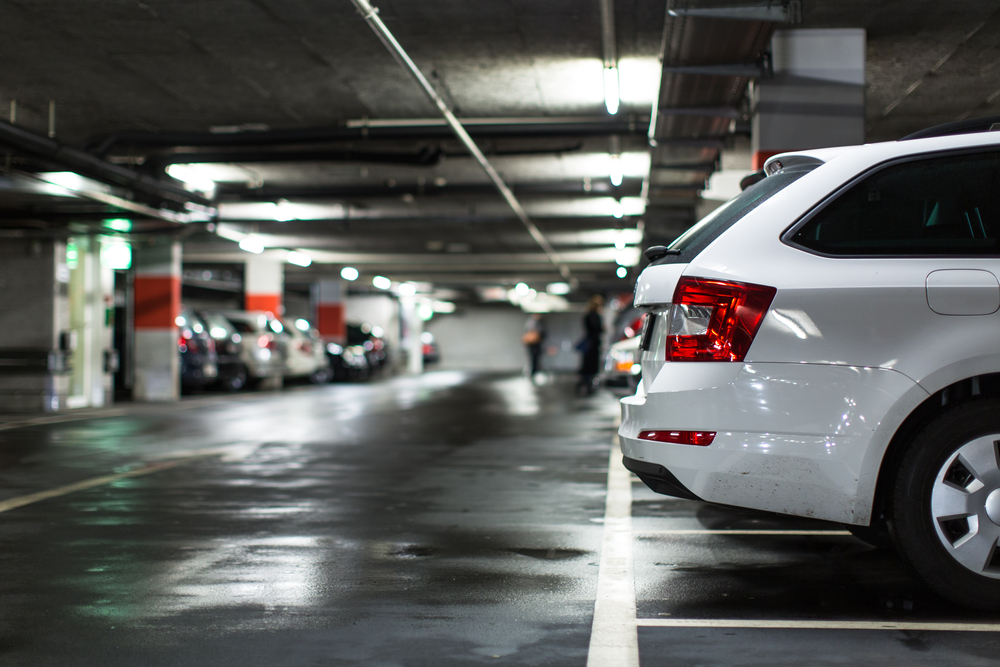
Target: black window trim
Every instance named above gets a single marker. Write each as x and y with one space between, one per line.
786 236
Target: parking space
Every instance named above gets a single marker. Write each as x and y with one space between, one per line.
449 519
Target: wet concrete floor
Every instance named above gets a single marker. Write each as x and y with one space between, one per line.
450 519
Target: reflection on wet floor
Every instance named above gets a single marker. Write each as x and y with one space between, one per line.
450 519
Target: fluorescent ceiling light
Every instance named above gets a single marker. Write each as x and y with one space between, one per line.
299 258
252 244
559 289
381 282
349 273
622 272
116 254
521 289
615 170
407 289
119 224
191 176
443 307
618 210
611 98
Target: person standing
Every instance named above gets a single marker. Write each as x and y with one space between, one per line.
590 344
534 339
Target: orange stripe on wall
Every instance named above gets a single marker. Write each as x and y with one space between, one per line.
269 303
157 301
330 321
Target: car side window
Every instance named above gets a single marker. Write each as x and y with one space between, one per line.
939 207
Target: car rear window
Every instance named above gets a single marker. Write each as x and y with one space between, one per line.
943 206
706 230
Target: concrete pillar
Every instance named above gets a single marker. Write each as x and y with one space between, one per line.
816 97
264 284
157 267
91 304
329 310
35 340
413 327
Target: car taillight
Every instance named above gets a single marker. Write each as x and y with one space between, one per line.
267 342
715 320
696 438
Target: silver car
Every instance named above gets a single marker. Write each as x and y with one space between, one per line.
827 345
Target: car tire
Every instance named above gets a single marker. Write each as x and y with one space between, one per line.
945 511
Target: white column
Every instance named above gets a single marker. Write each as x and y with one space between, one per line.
157 266
816 97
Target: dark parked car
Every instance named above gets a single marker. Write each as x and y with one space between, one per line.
197 349
349 364
233 374
371 342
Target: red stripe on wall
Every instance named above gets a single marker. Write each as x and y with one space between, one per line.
760 157
330 321
269 303
157 301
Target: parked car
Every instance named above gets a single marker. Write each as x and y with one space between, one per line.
370 339
348 363
827 345
432 354
233 373
261 352
305 352
197 351
622 370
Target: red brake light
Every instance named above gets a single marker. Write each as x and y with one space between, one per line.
715 320
696 438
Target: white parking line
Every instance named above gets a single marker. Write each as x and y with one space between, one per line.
614 638
815 625
744 532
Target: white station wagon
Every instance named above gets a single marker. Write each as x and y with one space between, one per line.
827 345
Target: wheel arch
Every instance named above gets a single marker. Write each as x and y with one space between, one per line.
968 389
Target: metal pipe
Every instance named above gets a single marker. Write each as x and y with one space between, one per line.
389 128
608 33
88 165
370 15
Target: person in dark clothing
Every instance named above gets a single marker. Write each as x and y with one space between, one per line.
590 345
534 339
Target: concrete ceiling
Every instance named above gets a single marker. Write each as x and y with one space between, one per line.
318 139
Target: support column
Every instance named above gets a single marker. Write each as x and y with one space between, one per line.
157 289
264 284
816 97
413 327
329 310
35 341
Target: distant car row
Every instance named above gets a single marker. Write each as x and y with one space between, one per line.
234 349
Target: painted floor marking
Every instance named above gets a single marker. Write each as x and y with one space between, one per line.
744 532
816 625
614 638
21 501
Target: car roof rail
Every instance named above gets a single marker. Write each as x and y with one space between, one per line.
970 126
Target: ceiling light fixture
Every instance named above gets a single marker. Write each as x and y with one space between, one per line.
191 176
522 289
618 210
252 244
407 289
381 282
349 273
615 171
622 272
559 289
298 258
611 95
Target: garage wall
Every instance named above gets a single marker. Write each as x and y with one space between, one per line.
489 338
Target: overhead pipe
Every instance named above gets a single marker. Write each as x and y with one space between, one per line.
88 165
384 128
370 14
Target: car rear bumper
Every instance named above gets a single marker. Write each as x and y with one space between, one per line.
790 438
